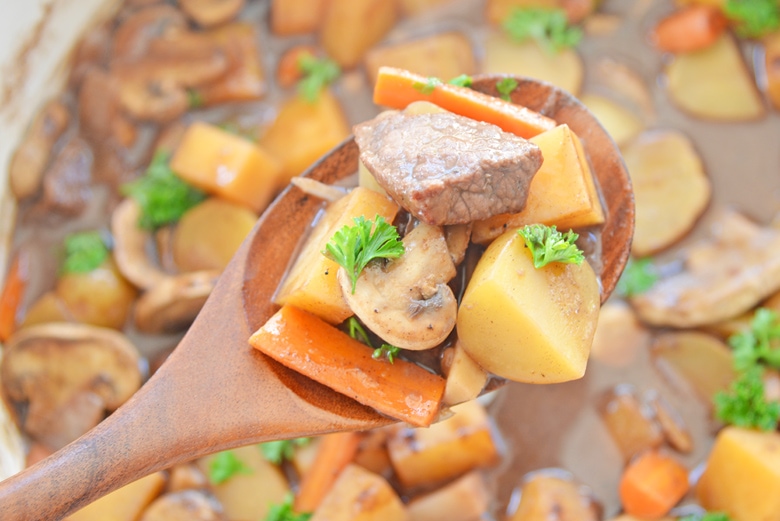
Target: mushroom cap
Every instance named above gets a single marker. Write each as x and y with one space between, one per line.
46 365
130 246
172 305
407 301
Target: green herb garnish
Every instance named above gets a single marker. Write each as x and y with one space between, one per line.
195 99
760 344
638 276
709 516
548 245
284 511
353 247
358 332
753 18
280 450
745 404
505 87
548 27
163 196
224 466
464 80
429 86
318 73
84 252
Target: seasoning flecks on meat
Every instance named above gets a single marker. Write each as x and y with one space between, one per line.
448 169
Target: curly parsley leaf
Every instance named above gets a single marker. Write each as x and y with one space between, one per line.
280 450
505 87
387 351
195 99
84 252
318 73
639 276
709 516
224 466
353 247
760 344
428 87
162 195
464 80
745 405
548 27
548 245
753 18
284 511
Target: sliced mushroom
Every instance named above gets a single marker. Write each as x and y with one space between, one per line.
458 237
130 243
11 445
724 275
173 304
407 301
57 428
133 36
185 505
208 13
58 366
154 89
29 160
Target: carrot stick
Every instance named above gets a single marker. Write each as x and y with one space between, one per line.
691 28
334 453
311 346
15 285
652 484
397 88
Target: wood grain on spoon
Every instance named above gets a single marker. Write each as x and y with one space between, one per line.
216 393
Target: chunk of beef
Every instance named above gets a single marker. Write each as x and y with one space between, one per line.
445 168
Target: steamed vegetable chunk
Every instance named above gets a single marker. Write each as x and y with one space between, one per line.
311 284
528 324
742 476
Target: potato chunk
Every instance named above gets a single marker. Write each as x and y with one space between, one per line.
527 324
311 284
124 504
360 495
742 476
351 27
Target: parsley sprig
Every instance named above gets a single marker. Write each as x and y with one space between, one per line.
163 196
429 86
84 252
318 73
709 516
548 27
280 450
505 87
226 465
284 511
745 403
639 276
548 245
753 18
353 247
358 332
464 80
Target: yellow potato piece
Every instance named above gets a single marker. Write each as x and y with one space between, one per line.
227 165
504 56
622 124
562 191
527 324
715 83
671 189
311 284
351 27
443 55
303 132
465 378
360 495
124 504
249 495
742 476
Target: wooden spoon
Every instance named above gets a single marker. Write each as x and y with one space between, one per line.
216 393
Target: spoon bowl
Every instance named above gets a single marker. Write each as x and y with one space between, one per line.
215 392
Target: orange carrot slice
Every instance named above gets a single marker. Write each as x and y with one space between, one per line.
335 452
397 88
311 346
689 29
15 284
652 484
